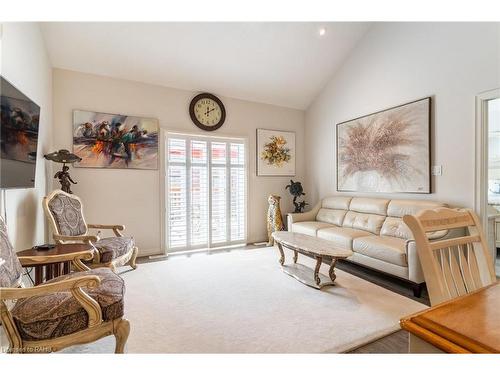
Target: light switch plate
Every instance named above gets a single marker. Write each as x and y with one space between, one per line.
437 170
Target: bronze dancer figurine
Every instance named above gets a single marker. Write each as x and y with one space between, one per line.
65 179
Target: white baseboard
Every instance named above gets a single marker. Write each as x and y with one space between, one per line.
159 252
149 252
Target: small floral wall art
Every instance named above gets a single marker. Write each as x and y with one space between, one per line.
387 151
275 153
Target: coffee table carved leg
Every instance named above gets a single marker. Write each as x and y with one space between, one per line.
331 272
317 279
295 256
282 254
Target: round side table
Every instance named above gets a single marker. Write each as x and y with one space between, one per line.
56 261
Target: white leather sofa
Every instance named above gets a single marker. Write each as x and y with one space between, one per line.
372 228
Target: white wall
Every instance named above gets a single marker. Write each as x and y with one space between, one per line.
24 63
397 63
132 197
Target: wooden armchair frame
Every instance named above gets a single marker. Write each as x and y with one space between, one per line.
128 258
96 327
456 266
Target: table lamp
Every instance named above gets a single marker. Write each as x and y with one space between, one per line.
64 157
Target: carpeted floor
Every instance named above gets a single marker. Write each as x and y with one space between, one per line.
241 302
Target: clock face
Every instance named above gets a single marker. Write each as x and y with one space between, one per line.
207 111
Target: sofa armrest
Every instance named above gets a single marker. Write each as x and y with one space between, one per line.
303 216
415 272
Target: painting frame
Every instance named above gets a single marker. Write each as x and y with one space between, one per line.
425 136
263 170
153 144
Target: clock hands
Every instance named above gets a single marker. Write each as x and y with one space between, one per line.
209 110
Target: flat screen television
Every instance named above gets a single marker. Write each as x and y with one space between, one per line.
19 119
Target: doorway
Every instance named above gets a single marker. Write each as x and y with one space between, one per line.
488 169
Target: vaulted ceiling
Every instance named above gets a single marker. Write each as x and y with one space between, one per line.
285 64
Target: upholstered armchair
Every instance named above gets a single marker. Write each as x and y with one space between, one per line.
65 214
69 310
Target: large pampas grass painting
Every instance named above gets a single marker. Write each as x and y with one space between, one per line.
387 151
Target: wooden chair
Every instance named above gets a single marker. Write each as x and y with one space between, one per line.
65 214
74 309
455 266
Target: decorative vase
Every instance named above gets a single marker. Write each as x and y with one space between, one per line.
274 218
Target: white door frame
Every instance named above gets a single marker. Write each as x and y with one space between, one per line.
481 156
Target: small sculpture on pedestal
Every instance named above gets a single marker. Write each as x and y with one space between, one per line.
65 179
296 190
63 156
274 218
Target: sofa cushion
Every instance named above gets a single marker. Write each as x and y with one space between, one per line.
114 247
327 215
368 222
395 227
59 314
336 203
309 227
375 206
342 237
400 208
389 249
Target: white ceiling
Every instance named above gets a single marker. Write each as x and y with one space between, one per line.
278 63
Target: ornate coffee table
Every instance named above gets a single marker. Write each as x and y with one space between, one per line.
315 247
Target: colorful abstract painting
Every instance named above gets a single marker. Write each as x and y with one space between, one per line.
19 129
106 140
275 153
387 151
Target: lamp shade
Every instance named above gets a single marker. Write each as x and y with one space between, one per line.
62 156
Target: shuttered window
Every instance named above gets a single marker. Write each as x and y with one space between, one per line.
206 192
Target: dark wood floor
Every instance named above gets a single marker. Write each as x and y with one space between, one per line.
396 343
394 284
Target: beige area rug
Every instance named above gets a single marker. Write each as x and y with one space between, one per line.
241 302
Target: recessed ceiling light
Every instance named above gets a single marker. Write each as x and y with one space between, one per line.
322 31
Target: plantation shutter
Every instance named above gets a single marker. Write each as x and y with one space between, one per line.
206 192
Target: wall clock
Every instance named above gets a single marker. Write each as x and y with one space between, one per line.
207 111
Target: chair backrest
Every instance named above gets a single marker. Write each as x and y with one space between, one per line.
10 267
455 266
65 213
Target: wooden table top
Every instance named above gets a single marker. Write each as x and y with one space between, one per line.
59 253
468 324
310 244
